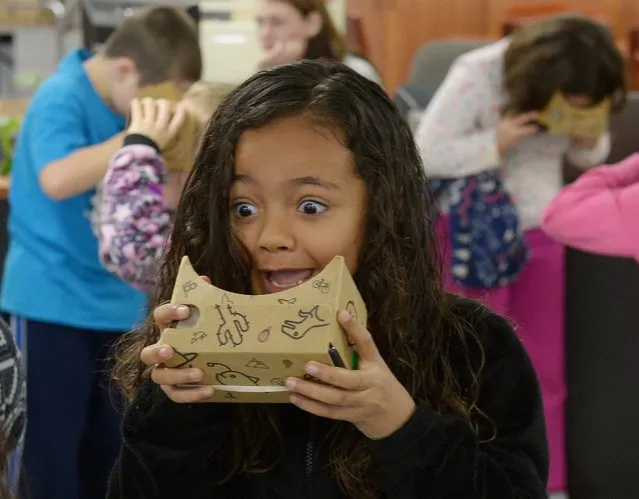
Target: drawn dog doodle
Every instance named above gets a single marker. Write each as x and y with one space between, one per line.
198 336
350 308
321 285
186 359
264 335
287 363
308 320
257 364
226 376
290 301
232 326
188 286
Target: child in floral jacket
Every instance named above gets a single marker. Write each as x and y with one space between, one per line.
139 193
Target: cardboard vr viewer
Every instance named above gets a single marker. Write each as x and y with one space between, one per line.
561 118
179 153
248 345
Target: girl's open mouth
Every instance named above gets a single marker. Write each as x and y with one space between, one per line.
281 280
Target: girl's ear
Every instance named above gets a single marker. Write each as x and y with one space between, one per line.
314 24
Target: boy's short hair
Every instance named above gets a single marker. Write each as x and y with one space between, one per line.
162 42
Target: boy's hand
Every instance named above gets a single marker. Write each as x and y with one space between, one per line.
371 397
158 119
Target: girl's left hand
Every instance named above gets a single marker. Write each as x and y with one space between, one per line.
370 397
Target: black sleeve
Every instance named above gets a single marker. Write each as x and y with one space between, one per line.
441 456
168 450
139 139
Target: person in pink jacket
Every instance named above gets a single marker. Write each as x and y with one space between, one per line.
598 212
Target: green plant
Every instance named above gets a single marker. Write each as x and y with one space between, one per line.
9 128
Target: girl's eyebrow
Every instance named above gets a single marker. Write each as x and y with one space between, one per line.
314 181
243 178
309 180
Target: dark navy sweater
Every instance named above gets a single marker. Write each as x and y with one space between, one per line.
170 450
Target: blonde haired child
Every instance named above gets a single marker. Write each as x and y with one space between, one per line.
140 193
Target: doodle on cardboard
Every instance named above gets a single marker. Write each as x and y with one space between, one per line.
278 382
287 363
198 336
226 376
290 301
230 395
308 320
264 335
232 326
321 285
257 364
188 286
185 358
350 308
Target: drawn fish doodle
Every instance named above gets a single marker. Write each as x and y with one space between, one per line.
307 320
226 376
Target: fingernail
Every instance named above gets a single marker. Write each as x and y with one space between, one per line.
182 309
293 399
311 369
290 383
195 375
344 316
165 352
207 391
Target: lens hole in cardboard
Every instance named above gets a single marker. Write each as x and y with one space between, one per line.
191 320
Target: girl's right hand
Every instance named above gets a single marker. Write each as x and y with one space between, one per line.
513 128
158 119
168 378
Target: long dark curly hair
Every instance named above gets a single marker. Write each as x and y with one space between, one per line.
410 316
568 53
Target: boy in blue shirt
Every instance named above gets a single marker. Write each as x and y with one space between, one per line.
65 307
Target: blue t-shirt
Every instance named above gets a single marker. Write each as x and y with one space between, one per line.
52 272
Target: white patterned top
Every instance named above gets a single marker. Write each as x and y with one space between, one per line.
457 137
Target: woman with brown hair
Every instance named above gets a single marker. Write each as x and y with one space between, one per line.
303 29
497 168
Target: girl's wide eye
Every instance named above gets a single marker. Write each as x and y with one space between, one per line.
245 210
312 207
